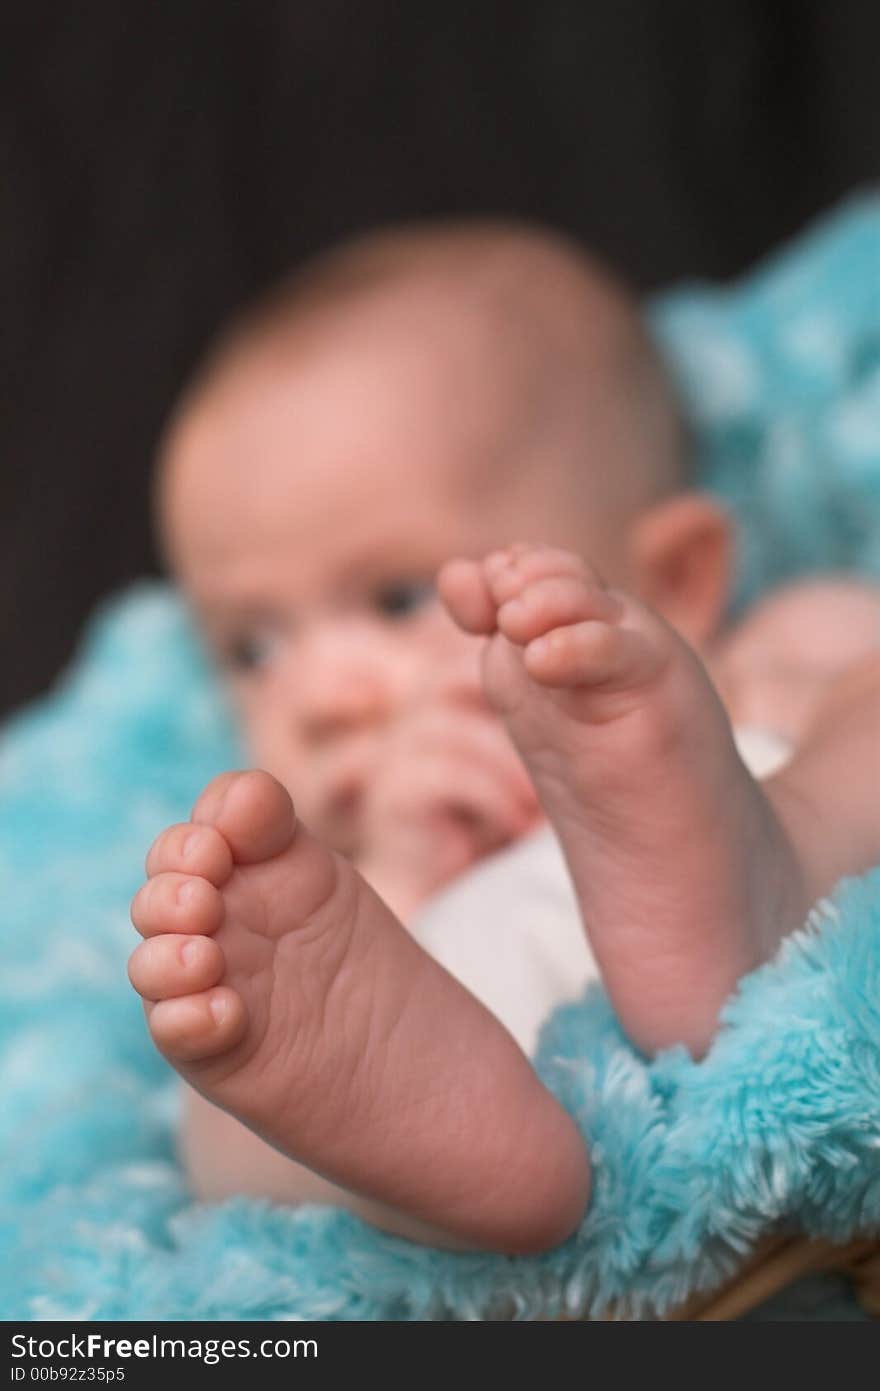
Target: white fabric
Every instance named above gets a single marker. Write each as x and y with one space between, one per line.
762 751
510 929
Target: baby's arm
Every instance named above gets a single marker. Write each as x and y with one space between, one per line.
826 797
805 664
777 665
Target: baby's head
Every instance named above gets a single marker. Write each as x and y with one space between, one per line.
415 395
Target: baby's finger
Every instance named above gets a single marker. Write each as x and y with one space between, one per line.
443 776
472 797
462 735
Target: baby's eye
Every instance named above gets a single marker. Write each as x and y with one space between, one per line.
248 651
400 598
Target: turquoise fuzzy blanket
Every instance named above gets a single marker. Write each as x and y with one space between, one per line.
692 1162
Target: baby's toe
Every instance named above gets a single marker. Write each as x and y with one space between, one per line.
508 572
463 588
177 903
190 849
164 967
573 655
552 601
199 1026
589 653
253 813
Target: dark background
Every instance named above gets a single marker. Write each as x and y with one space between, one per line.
163 162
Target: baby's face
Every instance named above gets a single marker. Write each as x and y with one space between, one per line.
308 504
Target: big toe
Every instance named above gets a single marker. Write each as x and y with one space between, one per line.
463 589
252 811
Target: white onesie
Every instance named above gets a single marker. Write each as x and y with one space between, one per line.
511 932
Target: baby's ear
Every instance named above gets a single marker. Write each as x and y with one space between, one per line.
681 561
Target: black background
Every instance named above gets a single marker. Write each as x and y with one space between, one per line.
163 162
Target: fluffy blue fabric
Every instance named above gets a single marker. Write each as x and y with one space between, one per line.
780 374
692 1162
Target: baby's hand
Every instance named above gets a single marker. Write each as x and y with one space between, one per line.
450 790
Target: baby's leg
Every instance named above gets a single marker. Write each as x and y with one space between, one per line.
686 875
285 992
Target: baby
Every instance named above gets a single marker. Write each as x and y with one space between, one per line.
413 397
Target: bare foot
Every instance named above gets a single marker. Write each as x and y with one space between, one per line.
283 990
684 875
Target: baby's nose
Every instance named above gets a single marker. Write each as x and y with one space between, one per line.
339 702
341 684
